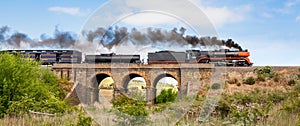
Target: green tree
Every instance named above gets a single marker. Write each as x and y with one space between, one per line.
166 96
24 86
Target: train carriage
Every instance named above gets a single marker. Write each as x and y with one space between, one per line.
49 57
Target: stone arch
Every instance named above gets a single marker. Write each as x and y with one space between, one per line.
129 77
157 79
96 81
162 75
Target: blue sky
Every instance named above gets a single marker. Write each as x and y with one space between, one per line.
269 29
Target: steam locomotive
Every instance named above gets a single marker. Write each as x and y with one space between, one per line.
223 57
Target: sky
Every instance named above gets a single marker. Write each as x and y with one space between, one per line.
269 29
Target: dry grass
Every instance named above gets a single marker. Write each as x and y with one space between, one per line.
27 120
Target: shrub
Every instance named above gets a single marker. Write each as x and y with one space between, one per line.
250 81
166 96
261 77
239 84
216 86
291 82
130 110
26 86
292 104
84 120
265 72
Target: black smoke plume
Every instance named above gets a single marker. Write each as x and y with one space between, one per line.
3 31
17 38
60 39
111 37
115 36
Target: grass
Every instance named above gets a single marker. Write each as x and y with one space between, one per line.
34 120
69 119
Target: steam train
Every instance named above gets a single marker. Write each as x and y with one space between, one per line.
222 57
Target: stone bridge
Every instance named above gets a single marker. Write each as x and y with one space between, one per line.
88 76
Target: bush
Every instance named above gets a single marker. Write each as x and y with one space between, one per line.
130 110
261 77
291 82
216 86
265 72
249 108
250 81
26 86
166 96
84 120
292 104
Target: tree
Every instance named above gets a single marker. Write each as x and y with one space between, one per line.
166 96
24 86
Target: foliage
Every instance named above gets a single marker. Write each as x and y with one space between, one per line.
131 111
261 77
247 108
83 120
216 86
265 73
166 96
292 104
291 82
250 81
26 86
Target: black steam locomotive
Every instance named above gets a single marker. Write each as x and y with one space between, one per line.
218 57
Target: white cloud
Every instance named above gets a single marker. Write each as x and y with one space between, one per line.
266 15
67 10
298 18
292 3
146 19
223 15
283 11
201 18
